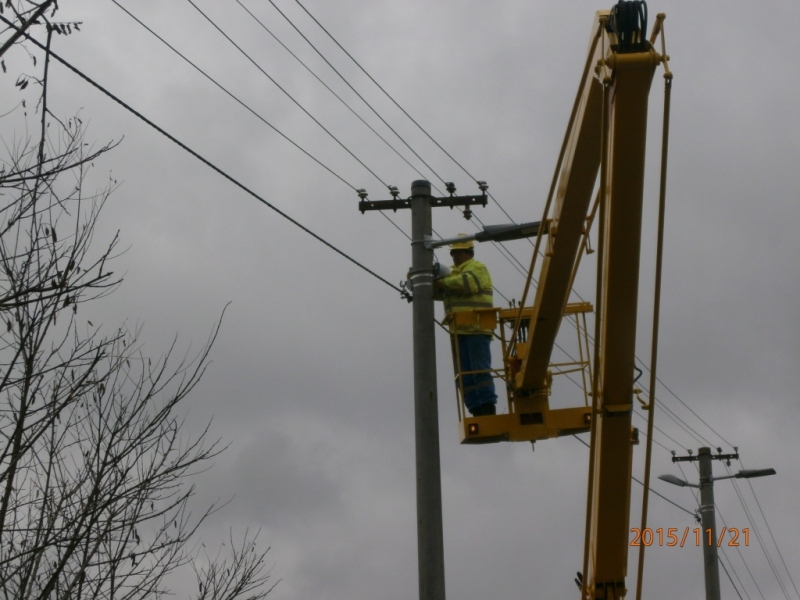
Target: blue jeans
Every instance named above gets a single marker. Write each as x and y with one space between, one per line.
475 354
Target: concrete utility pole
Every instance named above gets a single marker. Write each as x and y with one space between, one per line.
430 544
430 539
709 522
707 510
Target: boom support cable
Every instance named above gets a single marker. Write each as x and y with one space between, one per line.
597 324
656 315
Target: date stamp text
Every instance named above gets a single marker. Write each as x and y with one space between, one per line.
670 537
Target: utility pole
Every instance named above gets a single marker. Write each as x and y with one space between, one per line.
430 541
707 510
709 522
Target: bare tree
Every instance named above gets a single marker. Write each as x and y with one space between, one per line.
95 465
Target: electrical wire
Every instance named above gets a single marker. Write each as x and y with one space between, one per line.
351 87
324 29
422 129
350 185
674 395
176 51
724 568
774 541
327 87
758 534
288 95
248 108
741 556
691 432
205 161
652 491
664 408
735 574
503 250
297 223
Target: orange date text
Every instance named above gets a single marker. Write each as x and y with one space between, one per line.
697 536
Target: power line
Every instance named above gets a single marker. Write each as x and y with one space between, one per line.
757 532
669 412
220 86
730 562
741 556
352 88
327 87
248 108
506 252
508 255
763 516
698 417
758 535
281 88
470 175
249 191
396 104
202 159
652 491
724 568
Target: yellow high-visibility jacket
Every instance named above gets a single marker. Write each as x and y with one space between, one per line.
467 287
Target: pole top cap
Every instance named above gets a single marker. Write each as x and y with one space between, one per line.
421 187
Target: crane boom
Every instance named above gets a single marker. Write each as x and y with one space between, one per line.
607 137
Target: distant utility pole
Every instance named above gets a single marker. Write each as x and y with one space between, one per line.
707 511
430 542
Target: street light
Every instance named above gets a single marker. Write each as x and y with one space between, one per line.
494 233
743 474
676 481
707 515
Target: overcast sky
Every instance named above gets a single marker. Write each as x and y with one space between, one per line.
311 381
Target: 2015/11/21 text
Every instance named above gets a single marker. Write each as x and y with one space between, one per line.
669 537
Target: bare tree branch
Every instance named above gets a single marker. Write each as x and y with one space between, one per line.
95 462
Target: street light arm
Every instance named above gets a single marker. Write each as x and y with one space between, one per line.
677 481
493 233
505 233
748 473
744 474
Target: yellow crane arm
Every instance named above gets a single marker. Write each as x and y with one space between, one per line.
607 137
579 169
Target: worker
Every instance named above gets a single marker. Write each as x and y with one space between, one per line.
468 286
